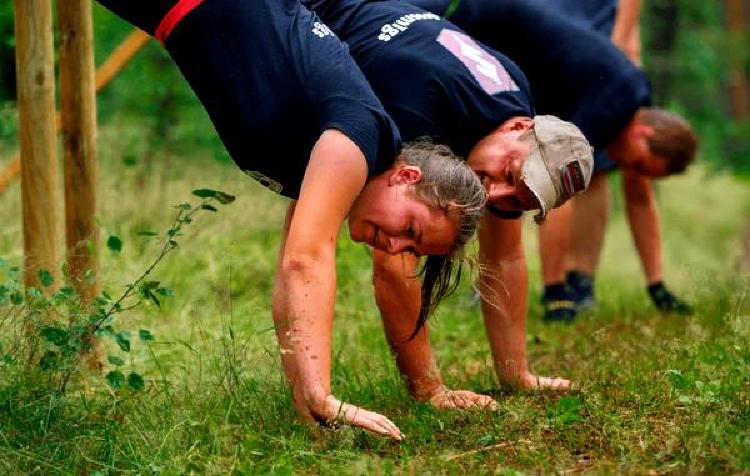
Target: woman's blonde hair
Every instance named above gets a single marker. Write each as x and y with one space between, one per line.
450 185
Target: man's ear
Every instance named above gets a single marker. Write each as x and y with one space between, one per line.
644 130
405 175
517 124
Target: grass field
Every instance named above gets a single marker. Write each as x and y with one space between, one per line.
657 394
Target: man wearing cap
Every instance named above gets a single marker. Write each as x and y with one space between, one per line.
578 75
569 270
435 80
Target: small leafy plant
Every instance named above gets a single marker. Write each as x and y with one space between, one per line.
59 330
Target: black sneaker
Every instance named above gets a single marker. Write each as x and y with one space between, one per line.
667 302
582 285
559 303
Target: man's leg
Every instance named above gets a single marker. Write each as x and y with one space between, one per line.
590 213
589 224
554 239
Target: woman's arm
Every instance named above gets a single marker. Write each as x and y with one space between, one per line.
398 294
305 286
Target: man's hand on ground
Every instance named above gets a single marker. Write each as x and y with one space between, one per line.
446 399
665 301
529 381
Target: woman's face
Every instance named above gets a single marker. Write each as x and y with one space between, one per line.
388 216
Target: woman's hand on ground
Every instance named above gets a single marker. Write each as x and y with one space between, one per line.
446 399
332 410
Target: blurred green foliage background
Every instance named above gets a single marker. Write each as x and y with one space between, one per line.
686 47
688 52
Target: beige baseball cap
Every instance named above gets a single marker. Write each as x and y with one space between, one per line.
559 164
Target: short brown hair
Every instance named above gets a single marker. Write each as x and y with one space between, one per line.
450 185
673 139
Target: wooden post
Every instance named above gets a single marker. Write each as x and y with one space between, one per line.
106 73
36 111
78 126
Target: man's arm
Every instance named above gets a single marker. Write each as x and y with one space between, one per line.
398 291
504 284
626 33
643 216
305 285
644 225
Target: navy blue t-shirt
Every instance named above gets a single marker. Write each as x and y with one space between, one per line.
575 73
599 15
273 77
432 78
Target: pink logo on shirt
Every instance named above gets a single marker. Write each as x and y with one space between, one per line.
486 69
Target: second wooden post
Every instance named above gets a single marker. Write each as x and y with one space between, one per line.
78 127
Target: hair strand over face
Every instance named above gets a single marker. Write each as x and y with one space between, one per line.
450 185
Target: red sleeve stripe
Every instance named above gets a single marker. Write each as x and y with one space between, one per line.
173 18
